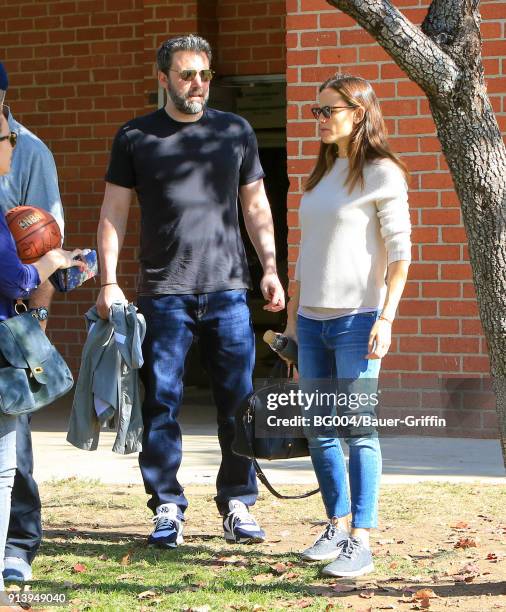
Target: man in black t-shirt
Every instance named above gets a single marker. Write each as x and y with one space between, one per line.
188 164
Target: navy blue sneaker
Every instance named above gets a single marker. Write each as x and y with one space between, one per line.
239 525
168 531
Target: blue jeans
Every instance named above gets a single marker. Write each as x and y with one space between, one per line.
7 471
25 526
221 323
335 349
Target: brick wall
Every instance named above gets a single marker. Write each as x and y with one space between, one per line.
437 330
75 70
251 37
79 69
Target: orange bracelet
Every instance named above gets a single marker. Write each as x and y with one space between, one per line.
385 319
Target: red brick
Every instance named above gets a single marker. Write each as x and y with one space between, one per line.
471 327
423 271
432 363
467 308
441 289
318 39
301 58
402 325
440 253
409 363
441 217
418 345
476 364
459 345
456 272
339 55
355 37
301 22
420 235
313 5
417 307
336 19
417 126
440 326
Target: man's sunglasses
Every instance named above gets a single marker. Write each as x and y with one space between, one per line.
12 138
326 111
189 75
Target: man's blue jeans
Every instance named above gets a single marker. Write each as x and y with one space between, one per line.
335 349
221 322
7 471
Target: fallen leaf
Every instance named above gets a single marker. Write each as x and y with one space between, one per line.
281 568
146 595
290 576
425 594
465 543
125 576
494 557
393 565
262 578
232 560
303 603
79 568
126 559
460 525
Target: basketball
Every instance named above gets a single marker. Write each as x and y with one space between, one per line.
35 232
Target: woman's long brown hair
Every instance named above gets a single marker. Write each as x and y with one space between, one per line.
368 140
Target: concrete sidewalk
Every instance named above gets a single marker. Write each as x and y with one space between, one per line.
405 459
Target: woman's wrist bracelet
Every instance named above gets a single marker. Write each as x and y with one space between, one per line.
383 318
106 284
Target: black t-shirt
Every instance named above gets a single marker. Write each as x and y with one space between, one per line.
187 176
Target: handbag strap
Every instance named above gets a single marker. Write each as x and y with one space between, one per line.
263 479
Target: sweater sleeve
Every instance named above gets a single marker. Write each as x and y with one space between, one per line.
17 280
393 212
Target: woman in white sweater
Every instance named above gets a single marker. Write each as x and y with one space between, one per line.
353 261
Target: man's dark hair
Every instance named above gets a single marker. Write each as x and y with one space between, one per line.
190 42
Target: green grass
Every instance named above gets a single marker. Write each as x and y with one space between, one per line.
104 529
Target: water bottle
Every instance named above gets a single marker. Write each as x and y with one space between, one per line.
283 345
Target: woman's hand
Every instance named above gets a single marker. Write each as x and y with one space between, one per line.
67 259
379 339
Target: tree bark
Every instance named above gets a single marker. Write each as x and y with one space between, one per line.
444 59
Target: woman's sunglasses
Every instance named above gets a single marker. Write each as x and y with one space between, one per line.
12 138
189 75
326 111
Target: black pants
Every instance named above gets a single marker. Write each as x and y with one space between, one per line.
25 527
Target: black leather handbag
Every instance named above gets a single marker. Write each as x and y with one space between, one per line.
247 444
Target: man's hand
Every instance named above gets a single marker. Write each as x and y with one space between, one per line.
379 339
108 295
272 291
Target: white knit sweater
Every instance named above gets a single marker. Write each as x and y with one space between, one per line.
347 240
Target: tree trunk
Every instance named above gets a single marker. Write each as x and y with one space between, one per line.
472 144
444 59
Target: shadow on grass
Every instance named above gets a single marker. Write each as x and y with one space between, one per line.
116 545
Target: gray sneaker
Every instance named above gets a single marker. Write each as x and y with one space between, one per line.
354 560
327 546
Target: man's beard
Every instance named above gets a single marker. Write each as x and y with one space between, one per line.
184 105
